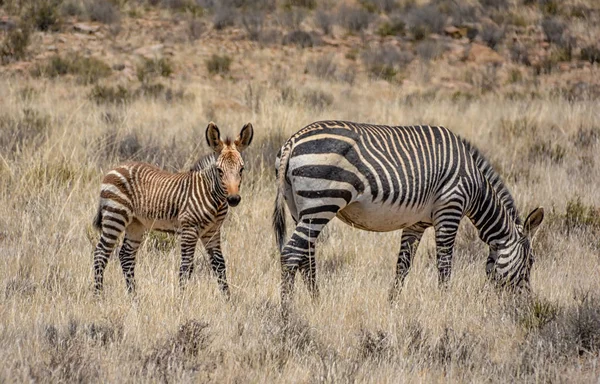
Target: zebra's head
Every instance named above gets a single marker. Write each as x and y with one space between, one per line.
510 262
229 162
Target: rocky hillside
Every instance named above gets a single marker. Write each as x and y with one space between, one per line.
517 48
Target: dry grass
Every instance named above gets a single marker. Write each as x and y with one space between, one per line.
53 328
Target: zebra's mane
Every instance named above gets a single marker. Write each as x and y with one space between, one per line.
204 162
495 181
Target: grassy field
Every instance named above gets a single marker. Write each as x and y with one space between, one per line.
74 104
54 328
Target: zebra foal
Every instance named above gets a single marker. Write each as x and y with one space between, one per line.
138 197
382 178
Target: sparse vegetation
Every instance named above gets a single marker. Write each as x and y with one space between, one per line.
14 46
87 69
103 11
385 62
425 20
534 116
218 64
353 19
150 69
44 15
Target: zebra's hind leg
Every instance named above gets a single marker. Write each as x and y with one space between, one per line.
299 252
131 243
446 227
112 226
408 247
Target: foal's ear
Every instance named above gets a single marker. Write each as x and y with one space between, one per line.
213 137
533 221
245 137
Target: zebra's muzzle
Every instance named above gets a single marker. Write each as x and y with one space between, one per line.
233 200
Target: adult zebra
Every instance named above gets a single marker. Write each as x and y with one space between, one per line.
382 178
137 197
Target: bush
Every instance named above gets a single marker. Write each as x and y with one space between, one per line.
299 38
218 64
224 17
591 53
394 27
519 53
542 150
354 19
14 46
253 23
317 99
381 6
323 67
491 35
549 7
149 69
310 4
103 11
553 29
72 8
293 17
324 21
195 29
44 15
110 95
87 69
29 130
425 20
579 215
429 50
495 4
385 62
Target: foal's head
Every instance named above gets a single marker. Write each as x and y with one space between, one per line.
230 163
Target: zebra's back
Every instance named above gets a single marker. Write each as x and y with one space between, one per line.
389 177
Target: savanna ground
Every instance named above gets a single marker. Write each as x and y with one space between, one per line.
73 104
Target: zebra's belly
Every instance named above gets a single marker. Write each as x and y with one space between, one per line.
382 217
159 225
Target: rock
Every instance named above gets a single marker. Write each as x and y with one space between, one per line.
564 67
482 54
149 52
86 28
455 33
52 48
7 24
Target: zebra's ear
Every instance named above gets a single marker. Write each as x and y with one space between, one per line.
245 137
213 137
533 221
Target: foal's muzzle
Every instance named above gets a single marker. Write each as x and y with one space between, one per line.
233 200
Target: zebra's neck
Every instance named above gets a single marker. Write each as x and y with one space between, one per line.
491 217
212 180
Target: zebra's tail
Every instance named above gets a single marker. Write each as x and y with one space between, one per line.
279 222
98 219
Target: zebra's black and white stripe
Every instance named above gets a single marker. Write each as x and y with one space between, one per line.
137 197
382 178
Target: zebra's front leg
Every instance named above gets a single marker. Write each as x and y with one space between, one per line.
189 239
212 242
445 235
299 252
411 236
